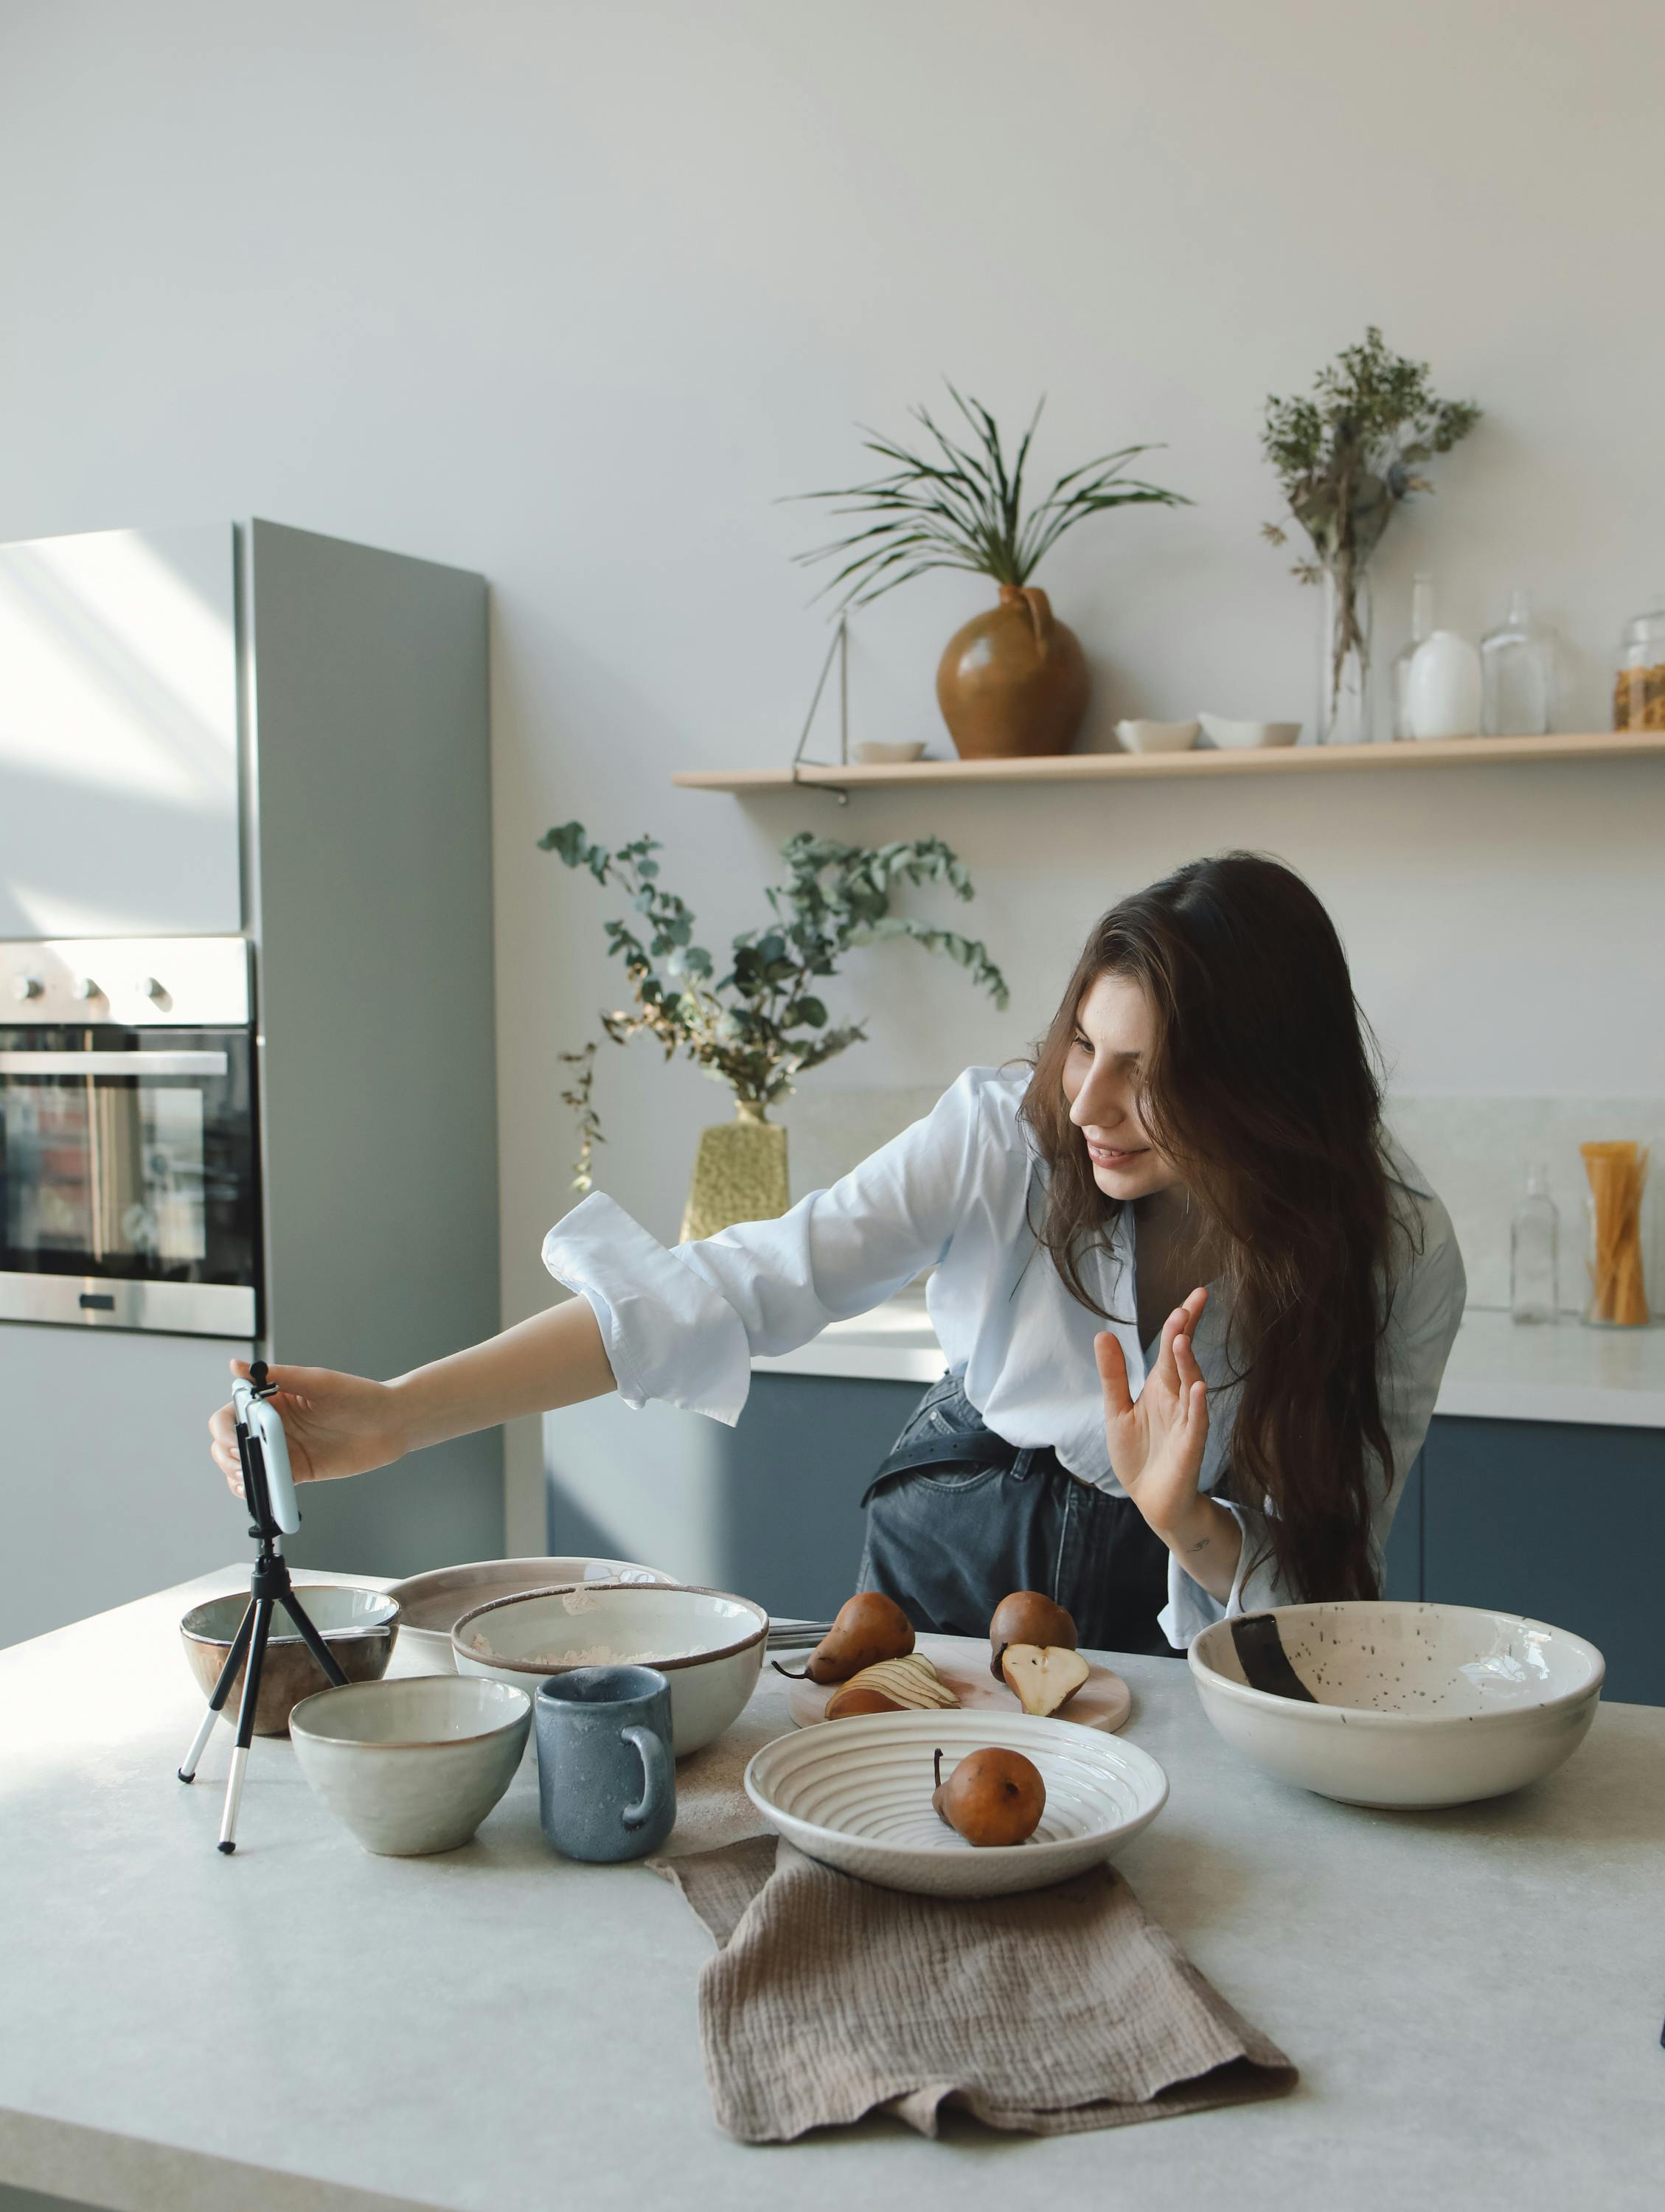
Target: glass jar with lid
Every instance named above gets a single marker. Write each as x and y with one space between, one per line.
1638 691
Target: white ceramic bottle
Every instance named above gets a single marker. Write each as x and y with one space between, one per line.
1443 691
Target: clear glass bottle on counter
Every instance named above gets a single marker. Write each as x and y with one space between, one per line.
1534 1242
1517 673
1422 624
1638 691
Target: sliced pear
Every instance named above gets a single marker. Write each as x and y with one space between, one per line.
912 1683
1043 1677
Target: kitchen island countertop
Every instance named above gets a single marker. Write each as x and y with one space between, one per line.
1473 1996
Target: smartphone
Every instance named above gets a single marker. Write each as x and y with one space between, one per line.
265 1428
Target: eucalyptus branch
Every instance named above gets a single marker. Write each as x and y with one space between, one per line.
763 1022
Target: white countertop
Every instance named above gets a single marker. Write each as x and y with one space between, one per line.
1473 1997
1498 1370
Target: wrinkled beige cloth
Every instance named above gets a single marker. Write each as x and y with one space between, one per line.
1047 2014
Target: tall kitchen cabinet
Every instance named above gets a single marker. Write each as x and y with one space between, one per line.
257 731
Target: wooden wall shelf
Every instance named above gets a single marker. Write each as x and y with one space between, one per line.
1111 768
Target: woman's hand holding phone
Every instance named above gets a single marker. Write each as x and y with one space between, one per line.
1156 1444
335 1424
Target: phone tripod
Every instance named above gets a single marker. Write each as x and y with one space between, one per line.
269 1491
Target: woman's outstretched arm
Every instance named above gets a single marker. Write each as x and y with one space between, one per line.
340 1425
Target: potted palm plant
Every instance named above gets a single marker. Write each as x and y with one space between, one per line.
1014 680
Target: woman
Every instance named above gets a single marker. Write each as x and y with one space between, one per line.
1194 1306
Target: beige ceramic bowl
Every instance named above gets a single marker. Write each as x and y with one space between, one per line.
1410 1705
707 1645
358 1627
431 1604
413 1765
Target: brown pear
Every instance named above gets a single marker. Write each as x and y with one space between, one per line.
992 1797
869 1627
1027 1617
860 1697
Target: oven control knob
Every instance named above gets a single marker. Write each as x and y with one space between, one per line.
154 988
27 987
85 987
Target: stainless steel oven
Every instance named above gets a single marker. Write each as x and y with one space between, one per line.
128 1150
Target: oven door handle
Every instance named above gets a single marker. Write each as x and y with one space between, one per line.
113 1063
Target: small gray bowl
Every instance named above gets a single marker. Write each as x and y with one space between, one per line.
415 1765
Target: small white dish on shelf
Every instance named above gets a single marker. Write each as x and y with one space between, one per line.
1246 737
871 752
1157 737
856 1796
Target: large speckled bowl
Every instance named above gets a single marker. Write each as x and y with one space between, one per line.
1406 1705
358 1627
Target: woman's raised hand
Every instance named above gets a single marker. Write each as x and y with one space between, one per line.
335 1424
1156 1440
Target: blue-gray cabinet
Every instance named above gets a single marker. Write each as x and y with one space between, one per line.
1565 1522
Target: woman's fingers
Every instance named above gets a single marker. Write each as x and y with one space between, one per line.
1112 1375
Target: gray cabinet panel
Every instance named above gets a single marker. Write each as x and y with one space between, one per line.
770 1508
1566 1523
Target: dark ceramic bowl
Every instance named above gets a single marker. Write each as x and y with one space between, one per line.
358 1627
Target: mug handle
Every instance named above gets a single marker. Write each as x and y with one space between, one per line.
658 1780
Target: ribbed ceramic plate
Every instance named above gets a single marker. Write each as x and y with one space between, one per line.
1103 1701
856 1795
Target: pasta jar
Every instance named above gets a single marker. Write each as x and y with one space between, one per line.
1638 691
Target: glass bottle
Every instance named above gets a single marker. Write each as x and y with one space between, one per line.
1422 624
1638 691
1344 663
1534 1237
1517 672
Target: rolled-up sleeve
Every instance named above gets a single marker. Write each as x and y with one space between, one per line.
1423 1320
683 1325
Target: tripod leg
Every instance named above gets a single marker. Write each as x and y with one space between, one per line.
314 1643
221 1690
245 1724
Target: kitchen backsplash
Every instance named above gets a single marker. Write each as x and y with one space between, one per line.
1474 1151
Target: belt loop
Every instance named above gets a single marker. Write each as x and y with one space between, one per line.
1021 1466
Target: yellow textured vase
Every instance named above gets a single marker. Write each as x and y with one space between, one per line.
739 1174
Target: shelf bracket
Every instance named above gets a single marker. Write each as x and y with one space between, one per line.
838 650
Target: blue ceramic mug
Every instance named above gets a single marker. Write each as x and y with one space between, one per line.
606 1781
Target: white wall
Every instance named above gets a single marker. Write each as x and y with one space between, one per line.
573 294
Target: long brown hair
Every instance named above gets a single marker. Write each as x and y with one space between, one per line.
1262 1089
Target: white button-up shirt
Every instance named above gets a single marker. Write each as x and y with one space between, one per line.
956 1193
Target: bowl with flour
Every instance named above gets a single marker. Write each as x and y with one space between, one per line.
708 1644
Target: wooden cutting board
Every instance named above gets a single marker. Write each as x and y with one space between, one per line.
1103 1701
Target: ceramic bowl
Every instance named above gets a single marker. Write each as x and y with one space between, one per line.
431 1604
412 1765
708 1646
1157 737
876 753
1413 1704
856 1795
358 1627
1247 736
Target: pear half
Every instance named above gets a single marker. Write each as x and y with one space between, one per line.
1043 1677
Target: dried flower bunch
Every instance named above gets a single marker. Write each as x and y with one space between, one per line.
762 1023
961 506
1347 456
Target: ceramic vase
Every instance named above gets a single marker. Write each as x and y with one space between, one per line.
1344 663
1013 682
1444 687
739 1174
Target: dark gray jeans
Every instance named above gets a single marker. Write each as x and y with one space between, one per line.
957 1517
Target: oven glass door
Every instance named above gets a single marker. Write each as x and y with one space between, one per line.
128 1158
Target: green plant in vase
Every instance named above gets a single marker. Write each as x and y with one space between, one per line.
1014 680
1345 458
763 1022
